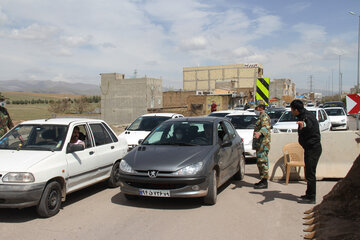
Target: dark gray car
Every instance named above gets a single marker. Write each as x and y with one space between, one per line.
187 157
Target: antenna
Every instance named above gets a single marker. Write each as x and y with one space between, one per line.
135 73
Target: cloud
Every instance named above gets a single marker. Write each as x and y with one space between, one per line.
3 18
34 32
195 43
76 41
297 7
310 32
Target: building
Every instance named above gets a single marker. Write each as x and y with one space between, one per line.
123 100
282 88
239 78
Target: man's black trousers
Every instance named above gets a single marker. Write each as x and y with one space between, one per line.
312 155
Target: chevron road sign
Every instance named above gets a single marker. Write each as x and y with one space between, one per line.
262 90
353 103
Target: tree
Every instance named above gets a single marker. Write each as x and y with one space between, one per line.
59 106
81 105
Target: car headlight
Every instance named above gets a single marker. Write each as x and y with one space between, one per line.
189 170
125 167
19 177
276 130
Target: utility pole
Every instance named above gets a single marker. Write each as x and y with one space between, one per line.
311 84
339 76
332 82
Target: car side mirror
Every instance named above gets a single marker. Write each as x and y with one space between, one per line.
140 141
74 148
226 144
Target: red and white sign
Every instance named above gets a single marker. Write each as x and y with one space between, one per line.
353 103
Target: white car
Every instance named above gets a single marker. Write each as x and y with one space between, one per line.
143 125
39 166
287 122
339 119
223 113
244 123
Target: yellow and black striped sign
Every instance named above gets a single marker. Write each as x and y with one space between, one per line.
262 90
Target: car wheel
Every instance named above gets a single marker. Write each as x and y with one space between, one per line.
114 180
211 196
131 197
239 175
50 201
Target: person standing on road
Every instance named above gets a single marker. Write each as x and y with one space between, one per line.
213 106
309 139
5 120
261 143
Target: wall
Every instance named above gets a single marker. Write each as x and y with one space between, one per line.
123 100
176 98
339 151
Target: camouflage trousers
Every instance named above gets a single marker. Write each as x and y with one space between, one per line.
263 163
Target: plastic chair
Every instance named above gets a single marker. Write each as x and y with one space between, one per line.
293 157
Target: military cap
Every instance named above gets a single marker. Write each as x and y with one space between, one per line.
2 97
260 103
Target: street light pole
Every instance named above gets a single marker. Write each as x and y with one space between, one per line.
357 82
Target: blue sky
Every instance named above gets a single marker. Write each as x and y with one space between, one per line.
76 40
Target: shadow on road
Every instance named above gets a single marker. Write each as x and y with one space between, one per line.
14 215
271 195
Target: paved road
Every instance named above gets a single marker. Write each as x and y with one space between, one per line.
101 213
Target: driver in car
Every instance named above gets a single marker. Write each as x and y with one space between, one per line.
75 137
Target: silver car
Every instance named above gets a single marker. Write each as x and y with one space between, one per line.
186 157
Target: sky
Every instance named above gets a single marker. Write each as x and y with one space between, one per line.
76 40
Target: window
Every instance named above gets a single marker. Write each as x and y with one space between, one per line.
84 135
231 130
101 136
114 138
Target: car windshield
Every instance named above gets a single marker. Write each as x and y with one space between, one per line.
287 117
182 133
275 114
35 137
243 121
334 104
216 114
147 123
335 112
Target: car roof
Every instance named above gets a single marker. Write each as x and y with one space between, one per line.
241 113
226 111
333 108
196 119
61 121
160 114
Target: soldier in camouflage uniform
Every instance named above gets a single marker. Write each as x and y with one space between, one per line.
261 143
5 120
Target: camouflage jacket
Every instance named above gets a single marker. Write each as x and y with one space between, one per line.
263 126
5 121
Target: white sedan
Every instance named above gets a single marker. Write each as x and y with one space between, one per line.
143 125
287 122
44 160
244 122
339 119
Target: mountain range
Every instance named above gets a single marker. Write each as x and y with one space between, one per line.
48 86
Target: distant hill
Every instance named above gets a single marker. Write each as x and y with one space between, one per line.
49 87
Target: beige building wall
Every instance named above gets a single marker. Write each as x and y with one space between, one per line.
205 78
123 100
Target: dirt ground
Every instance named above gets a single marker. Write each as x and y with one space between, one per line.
338 215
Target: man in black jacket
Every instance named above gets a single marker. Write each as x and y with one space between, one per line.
309 139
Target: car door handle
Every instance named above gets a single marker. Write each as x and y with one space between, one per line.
112 147
91 153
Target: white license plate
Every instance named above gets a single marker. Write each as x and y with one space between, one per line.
154 193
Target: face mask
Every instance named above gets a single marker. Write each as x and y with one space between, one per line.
2 104
257 112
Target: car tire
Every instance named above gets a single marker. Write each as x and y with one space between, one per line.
131 197
50 201
210 198
240 174
114 180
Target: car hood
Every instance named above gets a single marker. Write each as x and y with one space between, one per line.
20 161
286 125
166 158
246 134
133 137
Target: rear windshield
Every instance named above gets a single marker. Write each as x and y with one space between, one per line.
147 123
243 121
335 112
215 114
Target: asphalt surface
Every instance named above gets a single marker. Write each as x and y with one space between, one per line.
240 213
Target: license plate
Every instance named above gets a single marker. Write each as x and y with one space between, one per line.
154 193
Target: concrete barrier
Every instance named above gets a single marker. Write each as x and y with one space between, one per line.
339 151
